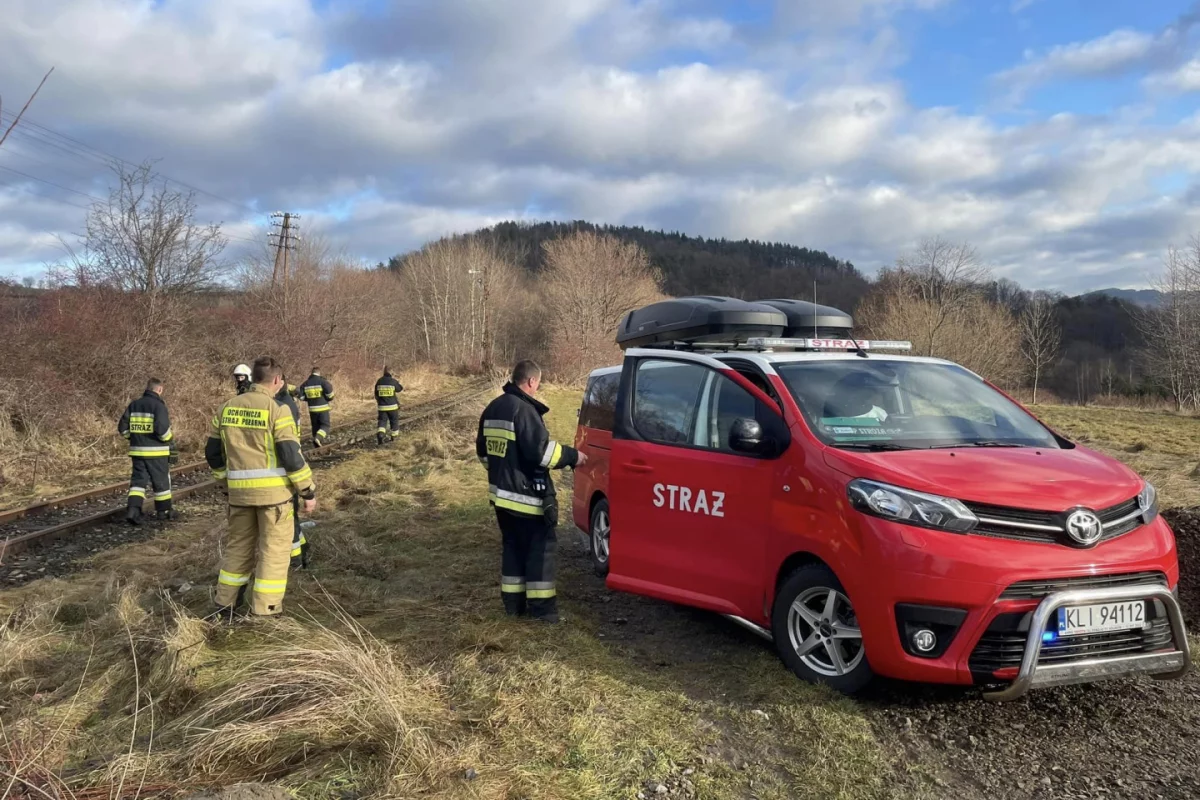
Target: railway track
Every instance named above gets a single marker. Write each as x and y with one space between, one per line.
59 518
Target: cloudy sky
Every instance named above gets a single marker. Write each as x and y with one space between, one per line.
1062 137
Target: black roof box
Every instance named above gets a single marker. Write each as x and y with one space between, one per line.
808 320
697 320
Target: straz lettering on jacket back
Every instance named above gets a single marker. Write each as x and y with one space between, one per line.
385 391
684 498
244 418
313 391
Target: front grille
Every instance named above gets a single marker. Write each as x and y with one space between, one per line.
1048 527
1036 590
1003 645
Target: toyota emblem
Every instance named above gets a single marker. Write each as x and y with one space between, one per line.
1084 527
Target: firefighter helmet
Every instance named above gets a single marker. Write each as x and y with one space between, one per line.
241 369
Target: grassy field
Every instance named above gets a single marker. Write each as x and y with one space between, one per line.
395 673
1161 446
69 466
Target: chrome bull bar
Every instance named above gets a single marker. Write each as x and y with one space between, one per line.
1162 666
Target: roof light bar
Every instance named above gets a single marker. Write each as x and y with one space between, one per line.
766 342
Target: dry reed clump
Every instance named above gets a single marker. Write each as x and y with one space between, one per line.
30 632
303 691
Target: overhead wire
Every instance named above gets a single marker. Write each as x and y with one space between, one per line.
67 145
96 153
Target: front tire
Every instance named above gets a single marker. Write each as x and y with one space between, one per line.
816 631
601 528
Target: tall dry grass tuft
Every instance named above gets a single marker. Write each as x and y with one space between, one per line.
306 690
29 632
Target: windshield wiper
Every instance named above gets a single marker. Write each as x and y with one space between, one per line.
981 443
875 447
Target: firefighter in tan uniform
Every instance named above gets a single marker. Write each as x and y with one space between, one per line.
254 452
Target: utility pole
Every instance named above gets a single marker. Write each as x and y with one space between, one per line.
25 107
285 241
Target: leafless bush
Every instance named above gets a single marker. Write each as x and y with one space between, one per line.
591 281
1172 330
934 297
461 290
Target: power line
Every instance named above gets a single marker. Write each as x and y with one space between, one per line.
48 196
83 149
50 183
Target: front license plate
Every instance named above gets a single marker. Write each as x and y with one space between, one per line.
1079 620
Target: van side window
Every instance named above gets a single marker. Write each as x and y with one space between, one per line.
666 397
600 402
726 403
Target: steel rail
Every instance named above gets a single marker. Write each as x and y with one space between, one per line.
17 544
76 498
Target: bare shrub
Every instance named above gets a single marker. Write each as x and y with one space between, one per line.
591 280
1172 330
934 298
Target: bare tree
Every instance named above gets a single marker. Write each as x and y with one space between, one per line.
940 275
935 297
591 281
1172 330
460 287
144 238
1041 338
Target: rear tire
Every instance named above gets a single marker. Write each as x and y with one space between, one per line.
600 526
816 631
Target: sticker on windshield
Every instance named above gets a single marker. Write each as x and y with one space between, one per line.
851 422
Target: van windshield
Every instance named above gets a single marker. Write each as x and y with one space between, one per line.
902 405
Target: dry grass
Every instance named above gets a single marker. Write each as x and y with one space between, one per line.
1162 446
396 674
90 452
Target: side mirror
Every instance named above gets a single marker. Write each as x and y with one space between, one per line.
746 436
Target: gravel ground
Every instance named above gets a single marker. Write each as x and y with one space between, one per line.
69 554
45 519
1131 738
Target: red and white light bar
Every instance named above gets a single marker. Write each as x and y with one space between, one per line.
766 343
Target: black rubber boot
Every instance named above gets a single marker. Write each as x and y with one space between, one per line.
379 439
165 511
133 514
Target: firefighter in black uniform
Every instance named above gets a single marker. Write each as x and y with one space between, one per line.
317 392
387 403
147 426
517 450
286 397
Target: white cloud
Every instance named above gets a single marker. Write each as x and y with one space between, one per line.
1107 55
428 118
1184 79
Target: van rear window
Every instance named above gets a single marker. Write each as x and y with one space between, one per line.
600 402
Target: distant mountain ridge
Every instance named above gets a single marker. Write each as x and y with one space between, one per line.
1148 298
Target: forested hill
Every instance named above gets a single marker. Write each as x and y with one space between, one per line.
695 265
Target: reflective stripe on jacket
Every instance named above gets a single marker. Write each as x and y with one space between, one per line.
516 447
386 390
147 426
254 450
317 392
286 398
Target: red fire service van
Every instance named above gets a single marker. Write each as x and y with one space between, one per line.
870 513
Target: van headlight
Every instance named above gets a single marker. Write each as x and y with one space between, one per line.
1148 502
910 507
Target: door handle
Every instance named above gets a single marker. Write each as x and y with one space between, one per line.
638 467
